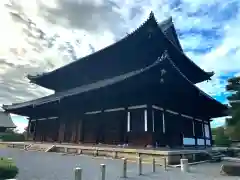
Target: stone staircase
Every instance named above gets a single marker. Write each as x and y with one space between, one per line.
40 147
216 156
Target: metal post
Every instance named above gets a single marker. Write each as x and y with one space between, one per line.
153 165
102 171
139 166
78 173
124 170
184 165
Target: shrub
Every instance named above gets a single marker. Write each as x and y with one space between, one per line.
8 169
13 137
221 139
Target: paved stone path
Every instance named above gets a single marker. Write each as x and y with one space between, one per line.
53 166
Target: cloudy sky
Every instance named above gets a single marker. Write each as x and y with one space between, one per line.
39 36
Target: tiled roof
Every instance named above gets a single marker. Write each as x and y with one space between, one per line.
108 82
6 120
85 88
169 30
117 49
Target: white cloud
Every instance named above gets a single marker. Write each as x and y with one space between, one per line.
20 126
237 74
224 57
20 122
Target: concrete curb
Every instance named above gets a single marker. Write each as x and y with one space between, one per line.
193 163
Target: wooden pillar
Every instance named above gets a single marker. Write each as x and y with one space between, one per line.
40 131
43 130
74 131
35 130
149 119
210 133
150 124
125 126
165 135
128 126
28 128
163 121
101 127
79 133
181 133
61 130
194 131
204 135
56 127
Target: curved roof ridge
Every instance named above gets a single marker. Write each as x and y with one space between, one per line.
191 61
169 30
197 88
168 23
150 17
164 25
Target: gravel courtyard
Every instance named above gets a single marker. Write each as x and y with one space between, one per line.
53 166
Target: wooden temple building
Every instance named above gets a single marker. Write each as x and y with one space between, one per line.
138 91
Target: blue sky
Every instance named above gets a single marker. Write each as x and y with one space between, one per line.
39 37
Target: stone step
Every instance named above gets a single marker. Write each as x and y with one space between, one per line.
40 147
216 156
35 148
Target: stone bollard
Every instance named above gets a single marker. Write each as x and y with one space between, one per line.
95 153
184 165
114 154
124 168
153 165
102 171
139 162
78 173
194 157
165 164
79 151
65 149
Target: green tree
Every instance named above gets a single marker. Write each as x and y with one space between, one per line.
221 139
233 123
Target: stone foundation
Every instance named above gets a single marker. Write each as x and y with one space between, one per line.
172 157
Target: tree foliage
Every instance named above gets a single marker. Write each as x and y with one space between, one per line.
13 137
233 123
221 139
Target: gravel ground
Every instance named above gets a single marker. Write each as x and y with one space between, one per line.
53 166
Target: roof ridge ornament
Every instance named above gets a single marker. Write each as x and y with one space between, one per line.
163 56
163 71
151 15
